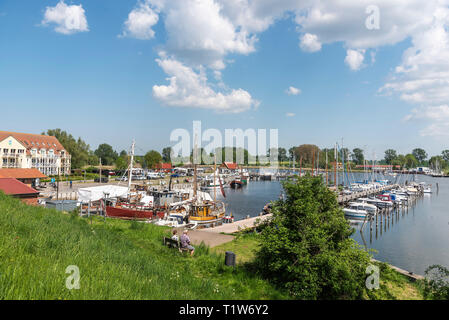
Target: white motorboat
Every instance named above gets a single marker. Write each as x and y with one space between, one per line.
370 208
356 211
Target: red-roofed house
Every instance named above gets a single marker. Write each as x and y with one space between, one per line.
26 176
164 167
228 167
17 189
24 150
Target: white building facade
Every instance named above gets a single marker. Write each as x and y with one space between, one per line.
45 153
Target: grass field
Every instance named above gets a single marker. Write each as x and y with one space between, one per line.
393 285
127 260
116 260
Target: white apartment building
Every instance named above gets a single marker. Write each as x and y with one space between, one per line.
23 150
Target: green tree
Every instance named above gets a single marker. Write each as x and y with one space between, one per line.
152 158
306 246
121 163
445 155
390 156
78 149
306 153
123 153
437 162
410 161
166 154
420 155
282 154
357 156
106 153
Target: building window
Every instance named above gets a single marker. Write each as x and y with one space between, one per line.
5 150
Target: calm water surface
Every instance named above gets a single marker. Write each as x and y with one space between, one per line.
417 237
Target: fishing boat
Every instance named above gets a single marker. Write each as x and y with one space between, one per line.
203 211
236 184
134 211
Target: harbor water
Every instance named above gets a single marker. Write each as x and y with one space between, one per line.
414 239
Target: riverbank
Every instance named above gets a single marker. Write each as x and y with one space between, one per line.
121 260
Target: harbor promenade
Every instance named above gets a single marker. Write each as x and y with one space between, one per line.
236 226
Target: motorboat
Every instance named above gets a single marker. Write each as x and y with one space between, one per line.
370 208
356 211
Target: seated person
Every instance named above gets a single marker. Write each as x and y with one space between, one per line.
175 235
185 243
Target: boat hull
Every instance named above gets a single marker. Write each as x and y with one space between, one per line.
125 213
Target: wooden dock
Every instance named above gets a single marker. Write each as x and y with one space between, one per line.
351 197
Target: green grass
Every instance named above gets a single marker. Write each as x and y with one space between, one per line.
393 285
117 260
126 260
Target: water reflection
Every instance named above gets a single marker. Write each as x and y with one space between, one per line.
411 238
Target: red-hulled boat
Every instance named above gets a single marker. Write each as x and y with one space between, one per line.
134 212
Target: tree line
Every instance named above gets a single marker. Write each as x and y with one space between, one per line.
305 155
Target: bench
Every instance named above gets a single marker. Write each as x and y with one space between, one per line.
169 242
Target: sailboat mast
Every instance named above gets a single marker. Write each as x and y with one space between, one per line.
335 167
327 173
131 165
215 170
194 170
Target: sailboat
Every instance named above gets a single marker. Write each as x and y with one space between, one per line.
140 207
205 213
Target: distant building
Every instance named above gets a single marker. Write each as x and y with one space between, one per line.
378 166
44 153
339 165
229 167
26 176
164 167
17 189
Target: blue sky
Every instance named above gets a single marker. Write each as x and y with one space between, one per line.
105 79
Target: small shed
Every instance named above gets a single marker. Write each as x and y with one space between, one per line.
17 189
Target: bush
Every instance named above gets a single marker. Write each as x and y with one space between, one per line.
306 247
436 285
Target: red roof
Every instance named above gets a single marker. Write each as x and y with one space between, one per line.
18 173
231 165
34 141
12 186
164 166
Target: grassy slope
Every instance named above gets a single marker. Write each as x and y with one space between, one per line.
126 260
117 260
393 285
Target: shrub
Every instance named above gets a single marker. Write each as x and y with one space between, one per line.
436 284
306 246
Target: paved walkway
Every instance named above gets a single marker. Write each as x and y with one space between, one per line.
234 227
210 239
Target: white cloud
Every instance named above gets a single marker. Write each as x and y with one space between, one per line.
354 59
68 19
140 22
188 88
309 42
203 33
290 114
293 91
436 119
